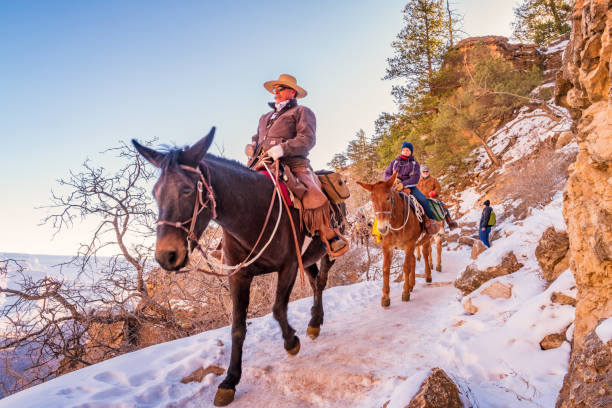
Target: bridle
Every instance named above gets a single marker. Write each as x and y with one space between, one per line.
390 212
198 207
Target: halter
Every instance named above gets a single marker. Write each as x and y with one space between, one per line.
198 207
391 214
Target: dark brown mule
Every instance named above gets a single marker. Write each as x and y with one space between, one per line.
240 198
400 229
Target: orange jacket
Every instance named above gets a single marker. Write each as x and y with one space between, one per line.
426 185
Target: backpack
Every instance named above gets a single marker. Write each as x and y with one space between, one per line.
491 219
437 209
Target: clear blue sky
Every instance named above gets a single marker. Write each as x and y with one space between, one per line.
78 76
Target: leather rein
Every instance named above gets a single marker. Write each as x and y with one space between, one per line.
200 205
391 213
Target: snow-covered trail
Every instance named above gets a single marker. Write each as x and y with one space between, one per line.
362 354
358 359
366 356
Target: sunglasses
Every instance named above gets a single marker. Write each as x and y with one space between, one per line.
279 88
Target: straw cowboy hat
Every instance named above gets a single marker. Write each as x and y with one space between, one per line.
289 81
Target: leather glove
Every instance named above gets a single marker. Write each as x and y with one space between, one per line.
249 150
432 194
275 152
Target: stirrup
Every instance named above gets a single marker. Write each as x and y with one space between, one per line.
341 251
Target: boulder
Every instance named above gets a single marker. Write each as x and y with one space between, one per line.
472 277
437 391
466 241
199 374
564 139
560 298
552 341
551 250
477 248
588 382
498 290
468 306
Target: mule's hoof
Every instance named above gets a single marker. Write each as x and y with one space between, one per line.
385 302
405 296
439 268
295 349
313 332
428 280
223 397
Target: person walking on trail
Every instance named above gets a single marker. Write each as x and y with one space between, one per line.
430 187
287 134
409 173
485 223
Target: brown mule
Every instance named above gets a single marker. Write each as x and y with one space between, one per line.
400 229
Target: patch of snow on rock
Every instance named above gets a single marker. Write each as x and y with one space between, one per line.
604 330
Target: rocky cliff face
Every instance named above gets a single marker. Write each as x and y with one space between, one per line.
583 86
522 56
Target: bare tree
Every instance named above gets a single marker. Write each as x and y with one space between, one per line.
113 304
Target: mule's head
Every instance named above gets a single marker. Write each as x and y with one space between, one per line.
176 193
381 194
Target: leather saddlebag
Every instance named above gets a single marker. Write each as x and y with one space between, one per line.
334 186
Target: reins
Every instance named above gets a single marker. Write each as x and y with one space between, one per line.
200 205
391 213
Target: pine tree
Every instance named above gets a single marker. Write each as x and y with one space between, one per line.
362 156
541 20
339 162
419 47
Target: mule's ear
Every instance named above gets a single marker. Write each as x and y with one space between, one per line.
153 156
367 186
389 182
193 155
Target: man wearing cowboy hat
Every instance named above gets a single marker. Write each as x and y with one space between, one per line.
287 133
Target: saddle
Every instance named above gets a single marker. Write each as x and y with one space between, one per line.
432 226
334 188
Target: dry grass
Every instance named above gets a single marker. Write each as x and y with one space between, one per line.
533 180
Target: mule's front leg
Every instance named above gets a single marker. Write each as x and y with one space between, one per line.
240 290
318 281
385 301
286 279
439 253
428 261
408 269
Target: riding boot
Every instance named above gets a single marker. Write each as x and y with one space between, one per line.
452 224
336 245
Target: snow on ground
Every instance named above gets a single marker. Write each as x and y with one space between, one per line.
468 199
604 330
365 356
522 237
521 136
560 46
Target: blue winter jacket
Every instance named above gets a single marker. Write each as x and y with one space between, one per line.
409 171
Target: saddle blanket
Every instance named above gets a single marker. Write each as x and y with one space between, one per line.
283 186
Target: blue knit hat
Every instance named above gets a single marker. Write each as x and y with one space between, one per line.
408 145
